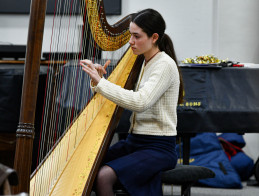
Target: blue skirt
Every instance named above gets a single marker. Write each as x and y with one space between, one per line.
139 160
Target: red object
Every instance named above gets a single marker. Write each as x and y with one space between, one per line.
238 65
229 148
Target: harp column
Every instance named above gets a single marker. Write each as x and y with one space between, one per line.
25 130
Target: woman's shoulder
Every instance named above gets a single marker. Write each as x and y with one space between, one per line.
164 61
166 58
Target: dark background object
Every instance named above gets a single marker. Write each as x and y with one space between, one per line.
112 7
12 51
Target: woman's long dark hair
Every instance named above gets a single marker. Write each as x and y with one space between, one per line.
151 21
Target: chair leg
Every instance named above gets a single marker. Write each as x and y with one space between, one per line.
186 190
121 193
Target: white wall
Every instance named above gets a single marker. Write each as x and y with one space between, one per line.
14 29
227 29
238 33
189 23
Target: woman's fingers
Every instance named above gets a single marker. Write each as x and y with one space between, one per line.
89 64
102 69
86 63
95 71
90 69
106 64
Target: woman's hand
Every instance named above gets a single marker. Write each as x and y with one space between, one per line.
95 71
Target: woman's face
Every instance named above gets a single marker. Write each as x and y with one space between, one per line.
139 41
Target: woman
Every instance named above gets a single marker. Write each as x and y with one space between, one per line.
150 146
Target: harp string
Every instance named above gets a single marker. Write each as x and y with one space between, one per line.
71 92
57 87
55 111
46 103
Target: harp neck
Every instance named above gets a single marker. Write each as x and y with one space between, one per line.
108 37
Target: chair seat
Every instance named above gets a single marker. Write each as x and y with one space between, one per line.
186 174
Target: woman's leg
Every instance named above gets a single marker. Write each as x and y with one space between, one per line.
105 180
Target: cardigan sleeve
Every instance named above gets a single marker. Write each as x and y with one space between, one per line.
161 77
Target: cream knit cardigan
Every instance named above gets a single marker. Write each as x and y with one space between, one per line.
154 101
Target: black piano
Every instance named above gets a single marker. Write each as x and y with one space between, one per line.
220 100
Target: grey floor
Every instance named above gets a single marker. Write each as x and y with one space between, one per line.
204 191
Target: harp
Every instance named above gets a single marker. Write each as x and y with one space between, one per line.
71 171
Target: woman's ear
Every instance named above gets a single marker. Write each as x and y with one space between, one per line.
155 37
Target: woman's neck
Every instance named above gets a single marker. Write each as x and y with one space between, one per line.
151 55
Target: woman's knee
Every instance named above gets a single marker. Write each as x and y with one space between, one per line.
106 175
